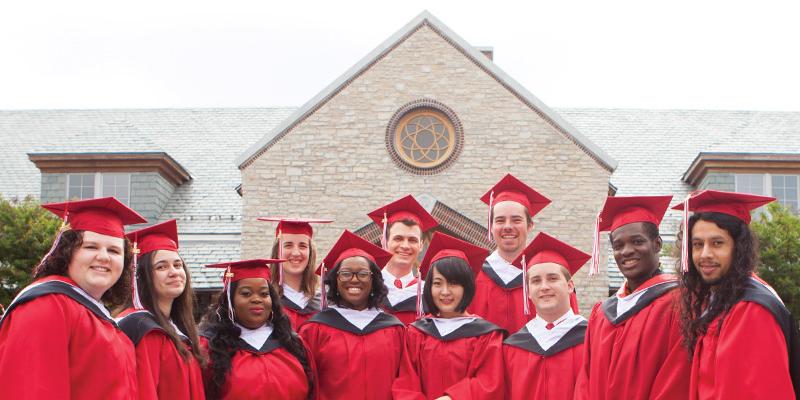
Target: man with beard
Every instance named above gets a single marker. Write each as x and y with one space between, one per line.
743 340
499 296
633 346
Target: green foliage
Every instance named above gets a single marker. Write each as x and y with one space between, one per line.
26 234
778 232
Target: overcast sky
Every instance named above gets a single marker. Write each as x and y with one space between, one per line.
612 54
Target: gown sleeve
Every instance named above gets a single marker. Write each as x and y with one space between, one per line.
485 380
751 337
582 380
34 350
407 386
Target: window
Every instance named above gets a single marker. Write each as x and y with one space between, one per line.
782 187
88 186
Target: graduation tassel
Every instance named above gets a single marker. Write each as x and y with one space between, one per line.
685 238
420 309
227 279
489 222
384 243
525 306
323 292
280 255
64 226
594 268
137 301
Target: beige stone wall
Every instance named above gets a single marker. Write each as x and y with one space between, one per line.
335 163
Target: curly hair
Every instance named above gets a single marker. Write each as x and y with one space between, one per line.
699 308
223 336
57 263
182 312
376 296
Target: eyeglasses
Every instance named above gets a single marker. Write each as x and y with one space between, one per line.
362 276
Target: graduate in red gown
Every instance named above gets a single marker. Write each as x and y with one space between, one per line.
543 358
405 226
356 346
499 296
253 351
451 354
160 322
297 281
744 342
633 347
57 339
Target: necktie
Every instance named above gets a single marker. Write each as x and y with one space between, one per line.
549 326
398 283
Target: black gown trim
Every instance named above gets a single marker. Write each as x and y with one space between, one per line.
310 308
525 341
489 271
409 304
333 319
141 322
269 345
757 293
478 327
653 293
56 287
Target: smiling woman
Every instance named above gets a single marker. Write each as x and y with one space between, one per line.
59 323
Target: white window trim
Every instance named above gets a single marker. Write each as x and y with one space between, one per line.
766 180
98 183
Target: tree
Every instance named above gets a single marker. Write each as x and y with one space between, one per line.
778 232
26 234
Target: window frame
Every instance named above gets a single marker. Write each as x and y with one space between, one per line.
98 184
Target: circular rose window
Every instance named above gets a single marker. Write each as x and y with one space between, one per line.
424 138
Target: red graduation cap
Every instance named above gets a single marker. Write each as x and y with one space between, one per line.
350 245
238 270
401 209
731 203
512 189
624 210
300 226
163 236
443 245
547 249
105 215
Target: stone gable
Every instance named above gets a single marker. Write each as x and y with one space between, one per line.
341 146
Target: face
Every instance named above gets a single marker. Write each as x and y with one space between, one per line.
354 292
251 302
169 275
549 289
405 243
635 253
712 251
97 264
446 295
510 227
296 248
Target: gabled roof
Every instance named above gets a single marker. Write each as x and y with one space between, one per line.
427 19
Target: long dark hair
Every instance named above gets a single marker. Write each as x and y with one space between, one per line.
376 296
699 308
223 337
57 263
455 270
182 312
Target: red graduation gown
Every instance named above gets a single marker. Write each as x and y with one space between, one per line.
465 364
268 373
299 315
162 372
354 364
639 354
534 373
499 303
56 344
744 359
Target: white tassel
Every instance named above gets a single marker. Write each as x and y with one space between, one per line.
525 306
323 292
384 243
137 301
489 222
594 269
685 241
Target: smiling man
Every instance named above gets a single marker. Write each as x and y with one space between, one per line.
499 297
544 357
633 346
731 318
